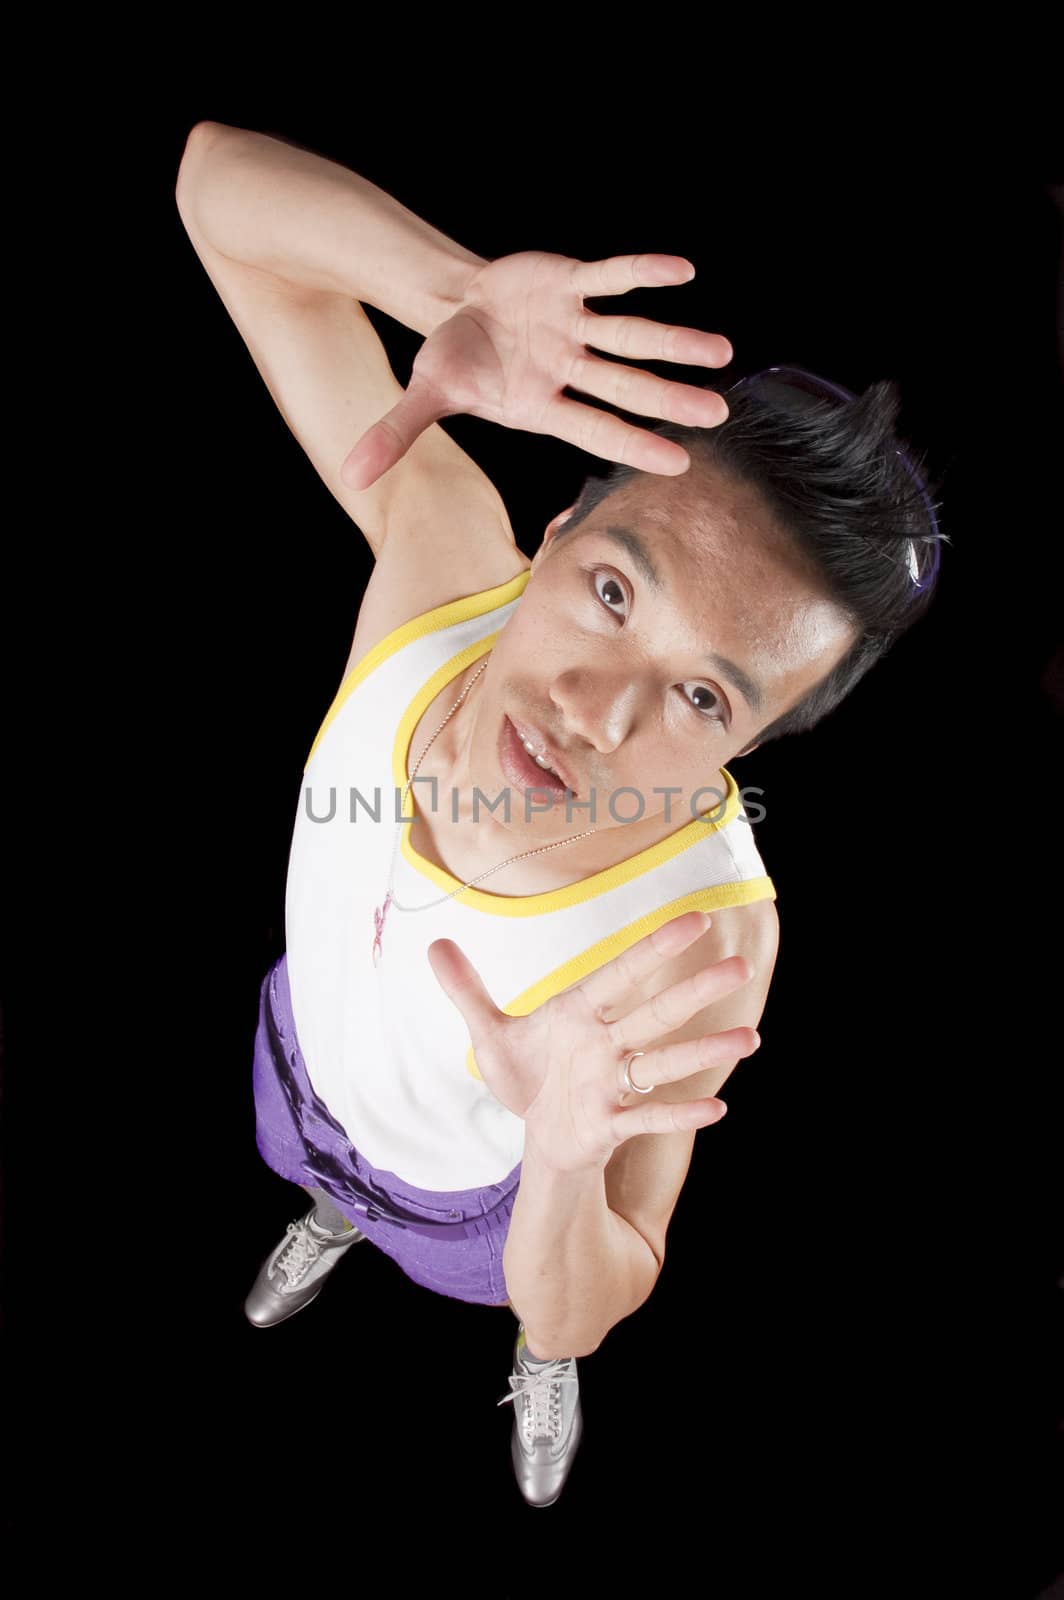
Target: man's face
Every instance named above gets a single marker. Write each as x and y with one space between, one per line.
619 671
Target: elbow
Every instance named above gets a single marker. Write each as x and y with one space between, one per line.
198 139
203 130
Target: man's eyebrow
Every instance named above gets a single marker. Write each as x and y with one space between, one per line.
637 548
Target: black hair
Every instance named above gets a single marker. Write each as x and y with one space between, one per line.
831 477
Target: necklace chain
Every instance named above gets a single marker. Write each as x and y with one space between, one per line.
539 850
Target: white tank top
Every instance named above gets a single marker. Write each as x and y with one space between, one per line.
385 1047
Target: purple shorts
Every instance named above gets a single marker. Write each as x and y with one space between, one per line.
450 1241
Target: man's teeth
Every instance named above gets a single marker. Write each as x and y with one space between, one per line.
538 760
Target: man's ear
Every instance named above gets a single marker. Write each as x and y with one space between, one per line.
552 528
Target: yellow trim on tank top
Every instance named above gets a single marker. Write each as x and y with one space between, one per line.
445 616
572 894
597 955
535 905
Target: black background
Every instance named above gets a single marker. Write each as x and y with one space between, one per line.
847 1358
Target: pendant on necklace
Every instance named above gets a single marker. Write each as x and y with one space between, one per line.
378 921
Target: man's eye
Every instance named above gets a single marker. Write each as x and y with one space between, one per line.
713 712
608 582
604 583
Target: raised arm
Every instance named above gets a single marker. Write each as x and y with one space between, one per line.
292 242
505 338
318 225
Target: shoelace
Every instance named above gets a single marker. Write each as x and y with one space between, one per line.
542 1399
300 1252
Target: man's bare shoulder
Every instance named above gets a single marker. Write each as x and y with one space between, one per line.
756 922
750 930
416 570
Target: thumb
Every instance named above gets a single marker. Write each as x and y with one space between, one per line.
381 446
463 985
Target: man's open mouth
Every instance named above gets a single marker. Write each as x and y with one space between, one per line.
522 769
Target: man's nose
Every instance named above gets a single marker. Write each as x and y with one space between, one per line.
596 709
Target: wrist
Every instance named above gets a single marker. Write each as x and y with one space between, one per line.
537 1160
436 287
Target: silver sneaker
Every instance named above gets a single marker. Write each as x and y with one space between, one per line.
295 1273
548 1424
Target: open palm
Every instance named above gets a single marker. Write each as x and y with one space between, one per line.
521 336
561 1066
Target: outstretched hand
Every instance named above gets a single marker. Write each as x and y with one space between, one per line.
561 1067
521 336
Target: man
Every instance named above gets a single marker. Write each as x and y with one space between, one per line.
529 1150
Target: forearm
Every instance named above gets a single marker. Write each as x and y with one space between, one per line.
320 225
573 1267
